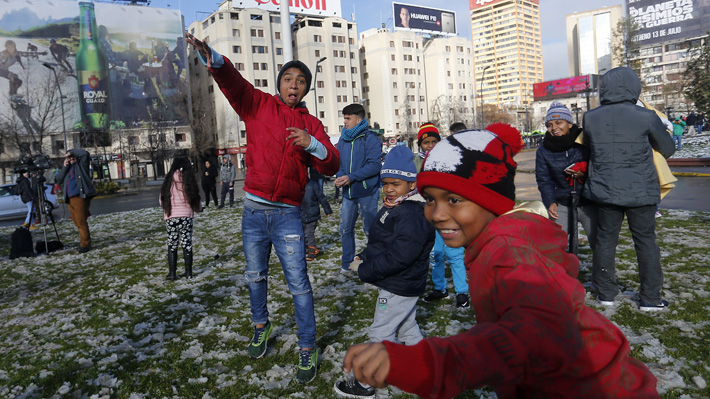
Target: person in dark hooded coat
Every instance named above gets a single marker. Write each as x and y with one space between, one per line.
622 180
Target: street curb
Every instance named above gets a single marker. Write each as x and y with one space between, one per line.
119 194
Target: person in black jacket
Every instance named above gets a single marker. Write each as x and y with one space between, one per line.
560 163
623 181
209 183
396 259
24 190
310 211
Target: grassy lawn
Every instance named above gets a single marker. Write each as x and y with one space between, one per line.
107 324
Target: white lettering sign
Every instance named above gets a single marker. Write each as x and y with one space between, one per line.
665 13
325 8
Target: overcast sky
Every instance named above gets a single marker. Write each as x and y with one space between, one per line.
373 13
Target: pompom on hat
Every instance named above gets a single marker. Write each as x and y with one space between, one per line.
477 165
427 130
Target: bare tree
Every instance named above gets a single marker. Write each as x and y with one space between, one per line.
626 49
202 129
27 124
407 120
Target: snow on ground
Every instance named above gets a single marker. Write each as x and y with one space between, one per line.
107 324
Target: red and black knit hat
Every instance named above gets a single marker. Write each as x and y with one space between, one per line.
477 165
427 130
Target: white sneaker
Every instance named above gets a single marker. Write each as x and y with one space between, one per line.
658 214
604 303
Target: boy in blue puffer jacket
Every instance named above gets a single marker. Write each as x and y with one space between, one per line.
396 260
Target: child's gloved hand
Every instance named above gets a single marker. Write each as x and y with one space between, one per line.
355 264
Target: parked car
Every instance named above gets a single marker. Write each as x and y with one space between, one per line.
11 205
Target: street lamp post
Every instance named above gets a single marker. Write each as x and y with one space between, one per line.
315 84
483 76
61 101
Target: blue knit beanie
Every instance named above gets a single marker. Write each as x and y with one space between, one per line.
399 164
558 111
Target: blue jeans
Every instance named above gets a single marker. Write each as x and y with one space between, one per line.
367 206
281 228
678 140
455 258
698 128
28 218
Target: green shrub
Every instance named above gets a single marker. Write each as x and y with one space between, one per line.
105 187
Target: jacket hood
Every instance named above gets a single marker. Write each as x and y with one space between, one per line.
619 85
537 231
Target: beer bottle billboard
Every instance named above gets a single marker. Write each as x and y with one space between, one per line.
92 72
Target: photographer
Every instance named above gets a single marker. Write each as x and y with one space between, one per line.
24 190
78 191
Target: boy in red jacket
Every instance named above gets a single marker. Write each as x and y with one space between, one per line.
534 336
283 138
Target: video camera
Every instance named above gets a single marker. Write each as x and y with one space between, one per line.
32 163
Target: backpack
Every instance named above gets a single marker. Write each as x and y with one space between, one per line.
21 246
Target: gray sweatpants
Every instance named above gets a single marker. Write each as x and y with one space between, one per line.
395 319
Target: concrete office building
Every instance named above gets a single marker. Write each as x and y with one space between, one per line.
507 48
336 81
251 39
590 40
409 79
448 64
392 67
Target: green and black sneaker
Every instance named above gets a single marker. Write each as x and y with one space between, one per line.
307 366
257 348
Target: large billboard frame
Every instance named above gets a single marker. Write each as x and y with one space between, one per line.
143 61
561 88
409 17
663 20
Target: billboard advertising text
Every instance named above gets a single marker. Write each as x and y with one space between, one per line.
323 8
116 66
474 4
560 88
423 19
668 20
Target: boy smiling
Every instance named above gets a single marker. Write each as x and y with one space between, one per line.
534 337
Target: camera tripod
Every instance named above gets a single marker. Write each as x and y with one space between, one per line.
42 207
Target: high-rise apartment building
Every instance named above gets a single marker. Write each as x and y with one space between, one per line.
409 79
590 40
393 80
507 47
336 79
450 92
251 39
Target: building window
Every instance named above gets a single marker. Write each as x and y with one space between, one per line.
279 51
354 85
210 89
394 71
234 15
320 84
261 83
239 66
321 114
277 35
394 85
256 17
351 41
393 57
321 100
317 38
275 19
257 32
237 49
391 43
259 49
235 32
180 137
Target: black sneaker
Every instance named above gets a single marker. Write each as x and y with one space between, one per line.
351 388
257 347
307 365
436 295
462 301
663 304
